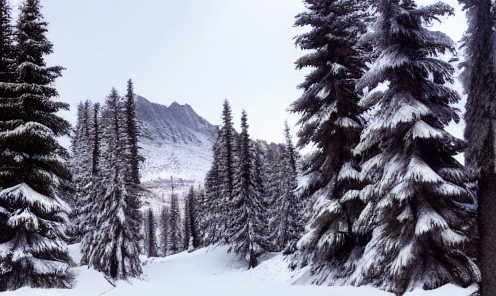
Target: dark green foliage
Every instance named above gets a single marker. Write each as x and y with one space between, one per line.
330 121
420 203
33 219
115 248
152 238
175 235
132 133
478 77
248 220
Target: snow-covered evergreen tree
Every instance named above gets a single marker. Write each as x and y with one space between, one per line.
175 234
86 166
7 53
420 207
164 231
151 235
289 207
247 222
132 134
330 123
190 237
81 167
115 249
478 78
33 251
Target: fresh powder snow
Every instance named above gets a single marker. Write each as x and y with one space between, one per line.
214 272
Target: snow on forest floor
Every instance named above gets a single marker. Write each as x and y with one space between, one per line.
213 272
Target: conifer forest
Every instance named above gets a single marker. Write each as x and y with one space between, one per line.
368 188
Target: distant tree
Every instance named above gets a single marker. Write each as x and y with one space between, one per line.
33 219
165 220
190 237
152 240
478 78
175 241
247 222
420 205
117 233
289 207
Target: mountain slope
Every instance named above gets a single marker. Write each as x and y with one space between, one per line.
176 142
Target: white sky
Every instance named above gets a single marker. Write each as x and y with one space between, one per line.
198 52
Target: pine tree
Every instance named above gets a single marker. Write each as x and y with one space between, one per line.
132 133
213 202
246 234
117 233
33 252
91 189
478 79
165 218
7 51
152 240
330 121
190 238
80 164
175 242
420 206
290 226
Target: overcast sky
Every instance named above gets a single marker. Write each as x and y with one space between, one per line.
198 52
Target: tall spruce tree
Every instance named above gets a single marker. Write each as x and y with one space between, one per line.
478 79
175 241
190 237
164 231
420 207
33 251
90 190
132 133
290 226
7 49
213 202
152 235
330 121
247 221
117 232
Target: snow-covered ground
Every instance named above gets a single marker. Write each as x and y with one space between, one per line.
213 272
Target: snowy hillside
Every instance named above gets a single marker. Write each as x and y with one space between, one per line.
176 142
213 272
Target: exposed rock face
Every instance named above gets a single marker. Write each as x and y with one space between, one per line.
176 142
176 124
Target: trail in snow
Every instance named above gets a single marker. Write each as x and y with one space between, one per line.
213 272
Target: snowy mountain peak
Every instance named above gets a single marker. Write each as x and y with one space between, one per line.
176 142
174 124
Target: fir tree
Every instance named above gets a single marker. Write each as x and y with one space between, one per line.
190 238
213 202
165 218
33 251
7 52
175 242
290 225
330 121
132 133
247 235
91 189
420 207
152 240
478 79
116 236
